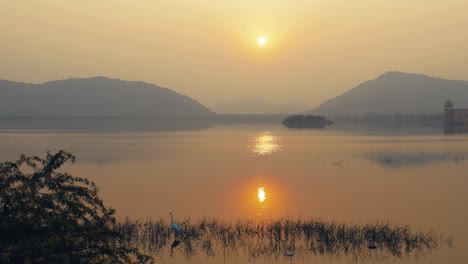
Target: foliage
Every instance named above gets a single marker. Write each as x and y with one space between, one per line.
306 121
48 216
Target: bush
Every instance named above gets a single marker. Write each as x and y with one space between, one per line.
306 121
47 216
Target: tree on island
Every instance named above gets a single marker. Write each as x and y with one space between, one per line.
306 121
47 216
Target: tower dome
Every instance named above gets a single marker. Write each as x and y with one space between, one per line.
448 104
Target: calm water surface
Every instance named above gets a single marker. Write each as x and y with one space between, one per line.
267 172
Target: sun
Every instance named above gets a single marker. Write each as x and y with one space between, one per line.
262 41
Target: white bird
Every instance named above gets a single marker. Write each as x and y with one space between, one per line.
174 226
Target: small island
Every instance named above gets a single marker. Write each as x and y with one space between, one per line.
306 121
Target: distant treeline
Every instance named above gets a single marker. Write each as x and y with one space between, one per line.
184 123
390 120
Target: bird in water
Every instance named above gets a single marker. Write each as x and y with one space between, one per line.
174 226
372 246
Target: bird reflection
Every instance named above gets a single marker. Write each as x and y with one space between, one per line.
265 144
174 244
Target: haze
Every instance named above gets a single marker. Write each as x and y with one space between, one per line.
208 49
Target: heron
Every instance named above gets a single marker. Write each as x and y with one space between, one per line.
174 226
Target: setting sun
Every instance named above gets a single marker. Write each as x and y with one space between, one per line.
262 41
261 194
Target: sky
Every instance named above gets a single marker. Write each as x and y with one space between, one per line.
208 49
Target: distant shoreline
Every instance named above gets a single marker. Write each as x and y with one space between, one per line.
187 123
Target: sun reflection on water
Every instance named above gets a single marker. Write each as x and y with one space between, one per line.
265 143
261 194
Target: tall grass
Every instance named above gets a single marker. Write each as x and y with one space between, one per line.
273 238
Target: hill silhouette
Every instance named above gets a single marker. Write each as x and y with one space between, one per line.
397 92
97 96
257 106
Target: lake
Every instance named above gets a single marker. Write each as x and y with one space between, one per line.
264 172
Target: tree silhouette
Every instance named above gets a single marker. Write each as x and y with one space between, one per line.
48 216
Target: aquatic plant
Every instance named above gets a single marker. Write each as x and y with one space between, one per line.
282 238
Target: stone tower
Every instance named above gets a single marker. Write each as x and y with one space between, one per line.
448 117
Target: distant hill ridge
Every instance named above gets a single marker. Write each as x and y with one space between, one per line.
258 106
96 96
397 92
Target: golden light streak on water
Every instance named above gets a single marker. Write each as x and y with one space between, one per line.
261 194
265 144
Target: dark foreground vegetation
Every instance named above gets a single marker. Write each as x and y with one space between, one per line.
48 216
306 121
281 238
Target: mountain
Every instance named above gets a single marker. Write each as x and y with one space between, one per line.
258 106
98 96
397 92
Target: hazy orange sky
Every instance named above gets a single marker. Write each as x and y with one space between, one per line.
207 49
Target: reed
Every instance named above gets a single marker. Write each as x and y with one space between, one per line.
272 238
